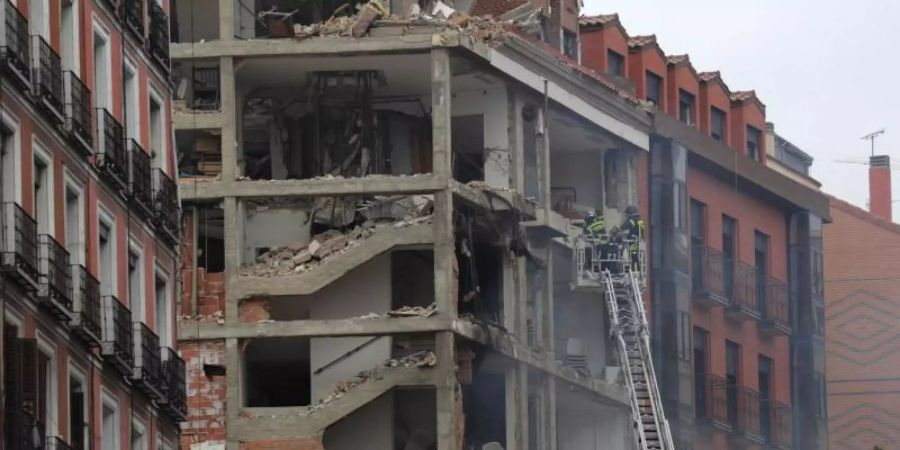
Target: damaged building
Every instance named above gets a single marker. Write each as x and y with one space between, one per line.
380 222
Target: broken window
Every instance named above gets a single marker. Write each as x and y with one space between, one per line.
210 239
480 280
195 20
277 372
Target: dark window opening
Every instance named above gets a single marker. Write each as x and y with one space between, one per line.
754 150
698 242
78 424
484 405
701 369
412 278
277 372
729 254
732 377
467 137
718 121
654 87
570 44
761 263
765 376
685 107
211 239
480 280
615 63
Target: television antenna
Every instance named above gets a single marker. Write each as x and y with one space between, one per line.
871 138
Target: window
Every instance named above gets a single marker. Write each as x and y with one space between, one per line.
42 409
732 378
43 192
685 107
761 262
701 368
107 257
69 36
109 437
157 133
729 254
39 18
135 284
717 119
74 223
162 313
765 374
130 87
684 336
654 87
78 413
754 150
9 173
138 437
615 63
698 243
570 44
102 70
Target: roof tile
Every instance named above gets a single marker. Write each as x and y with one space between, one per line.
675 59
599 19
709 76
640 41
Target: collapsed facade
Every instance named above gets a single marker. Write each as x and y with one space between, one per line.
382 225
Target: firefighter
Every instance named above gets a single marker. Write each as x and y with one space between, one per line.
595 234
633 228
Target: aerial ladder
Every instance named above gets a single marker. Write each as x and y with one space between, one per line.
612 272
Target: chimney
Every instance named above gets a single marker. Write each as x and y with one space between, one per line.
880 186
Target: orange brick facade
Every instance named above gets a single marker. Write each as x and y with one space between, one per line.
862 298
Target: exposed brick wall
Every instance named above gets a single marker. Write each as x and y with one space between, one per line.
255 309
309 443
862 313
210 286
206 394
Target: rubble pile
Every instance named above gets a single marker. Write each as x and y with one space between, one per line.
423 359
414 311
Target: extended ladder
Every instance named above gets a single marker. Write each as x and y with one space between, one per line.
629 329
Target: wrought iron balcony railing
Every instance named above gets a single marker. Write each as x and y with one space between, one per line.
55 285
744 303
776 309
18 245
159 35
78 112
118 342
174 400
165 204
14 52
707 276
87 320
132 12
711 400
147 363
111 156
140 189
779 432
46 80
746 420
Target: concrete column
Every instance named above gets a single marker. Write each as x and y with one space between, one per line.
449 406
233 235
226 20
232 388
549 414
230 125
514 130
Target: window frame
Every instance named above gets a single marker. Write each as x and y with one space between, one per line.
132 113
713 113
74 371
71 183
753 131
107 399
161 274
98 29
612 55
692 106
9 121
160 161
659 82
40 153
134 247
107 218
46 346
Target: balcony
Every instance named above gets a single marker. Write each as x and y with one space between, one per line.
78 113
165 205
18 245
711 402
87 318
174 400
55 279
744 303
140 190
14 52
23 431
46 81
744 416
706 277
778 431
132 12
776 309
158 45
118 344
147 366
111 157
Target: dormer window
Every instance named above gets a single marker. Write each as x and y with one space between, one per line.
717 124
653 87
615 63
753 148
685 107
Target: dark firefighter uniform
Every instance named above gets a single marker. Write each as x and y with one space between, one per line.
634 230
595 229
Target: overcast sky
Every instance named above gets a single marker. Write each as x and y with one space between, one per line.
827 70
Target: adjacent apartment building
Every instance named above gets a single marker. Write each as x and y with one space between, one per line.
862 304
735 250
88 228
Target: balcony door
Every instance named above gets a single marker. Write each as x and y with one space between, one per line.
701 369
698 243
729 254
761 263
765 397
732 377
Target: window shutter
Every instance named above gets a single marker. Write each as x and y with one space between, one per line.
29 385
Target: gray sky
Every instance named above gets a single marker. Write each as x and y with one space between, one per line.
827 70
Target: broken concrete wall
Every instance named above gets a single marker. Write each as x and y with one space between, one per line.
266 228
492 105
364 290
578 174
205 392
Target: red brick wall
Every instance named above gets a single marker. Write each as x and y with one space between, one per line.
681 77
744 114
206 394
752 214
595 42
641 61
712 94
862 313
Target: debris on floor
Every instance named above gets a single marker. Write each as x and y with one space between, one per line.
420 360
414 311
